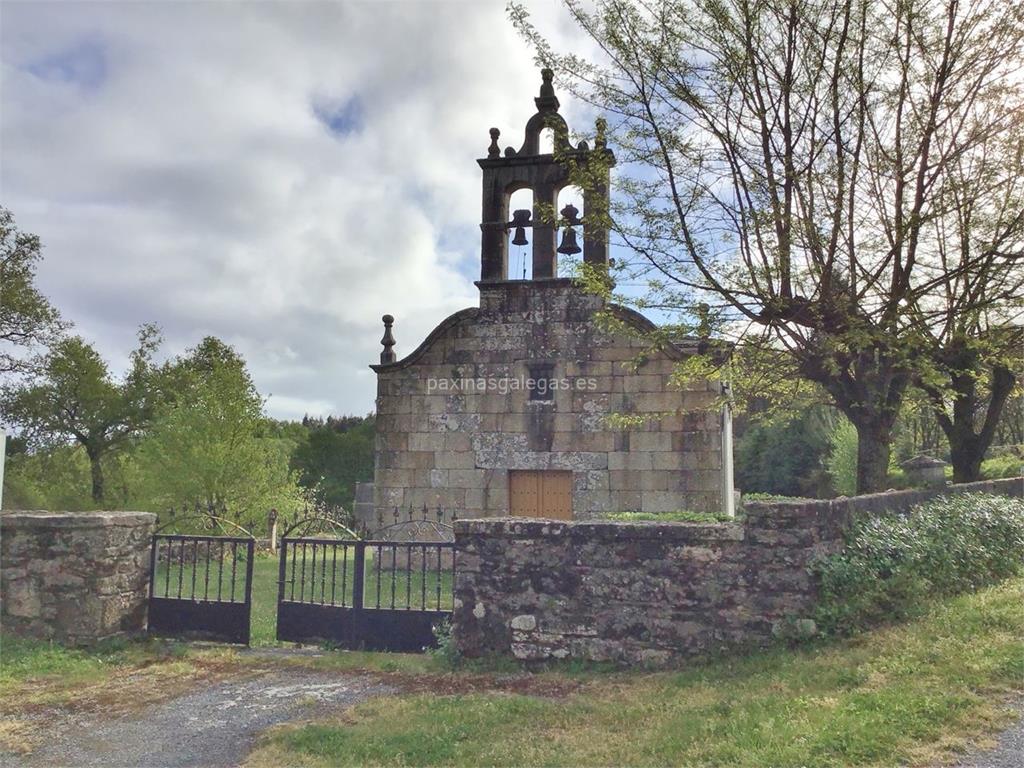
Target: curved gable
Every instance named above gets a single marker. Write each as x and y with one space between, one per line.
443 328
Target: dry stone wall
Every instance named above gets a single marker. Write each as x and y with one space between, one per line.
74 577
651 593
453 447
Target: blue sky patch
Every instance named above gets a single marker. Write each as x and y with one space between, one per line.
342 118
83 64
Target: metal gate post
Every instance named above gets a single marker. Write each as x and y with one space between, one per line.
152 566
282 570
250 554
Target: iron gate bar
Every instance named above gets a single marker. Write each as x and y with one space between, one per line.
192 614
394 572
378 560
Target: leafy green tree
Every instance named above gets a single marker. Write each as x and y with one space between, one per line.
786 164
27 319
785 456
204 445
76 400
336 455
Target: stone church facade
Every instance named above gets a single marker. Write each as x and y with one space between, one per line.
503 409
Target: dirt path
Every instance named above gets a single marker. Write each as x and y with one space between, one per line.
1008 751
213 726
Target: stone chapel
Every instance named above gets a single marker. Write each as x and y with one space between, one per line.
502 409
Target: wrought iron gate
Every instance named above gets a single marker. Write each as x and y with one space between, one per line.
372 595
200 587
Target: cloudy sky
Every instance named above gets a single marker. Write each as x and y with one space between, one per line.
278 174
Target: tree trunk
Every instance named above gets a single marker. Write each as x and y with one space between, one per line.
967 448
966 456
873 448
96 467
868 391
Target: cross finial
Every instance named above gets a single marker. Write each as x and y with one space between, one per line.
388 342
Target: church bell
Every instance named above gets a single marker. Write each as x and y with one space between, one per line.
568 245
520 220
570 215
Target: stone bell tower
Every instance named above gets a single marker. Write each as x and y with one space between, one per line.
545 174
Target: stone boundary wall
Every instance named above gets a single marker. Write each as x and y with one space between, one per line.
651 593
77 578
901 501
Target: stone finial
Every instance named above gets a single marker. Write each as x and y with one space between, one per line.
494 150
547 101
388 342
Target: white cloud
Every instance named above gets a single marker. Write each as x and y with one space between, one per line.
275 174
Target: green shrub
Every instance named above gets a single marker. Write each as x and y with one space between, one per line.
445 652
842 460
1007 465
785 457
890 565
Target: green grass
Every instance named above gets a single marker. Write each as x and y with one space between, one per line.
679 516
264 587
23 658
908 694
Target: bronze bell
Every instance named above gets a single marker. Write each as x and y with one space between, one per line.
520 220
568 246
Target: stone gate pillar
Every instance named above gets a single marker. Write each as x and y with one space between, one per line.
74 577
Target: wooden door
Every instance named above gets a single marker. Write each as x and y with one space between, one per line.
540 493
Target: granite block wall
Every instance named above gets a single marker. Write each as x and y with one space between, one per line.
453 446
77 578
652 593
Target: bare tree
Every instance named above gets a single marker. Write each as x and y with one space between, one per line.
786 162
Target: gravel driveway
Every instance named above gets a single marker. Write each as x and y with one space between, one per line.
214 726
1009 749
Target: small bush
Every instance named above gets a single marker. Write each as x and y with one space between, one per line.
445 652
890 565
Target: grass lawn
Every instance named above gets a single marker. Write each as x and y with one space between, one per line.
908 694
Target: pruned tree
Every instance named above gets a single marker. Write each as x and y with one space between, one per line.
786 162
974 342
